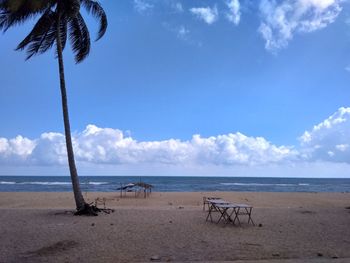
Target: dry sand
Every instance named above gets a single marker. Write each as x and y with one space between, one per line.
295 227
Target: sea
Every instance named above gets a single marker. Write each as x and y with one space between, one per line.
173 184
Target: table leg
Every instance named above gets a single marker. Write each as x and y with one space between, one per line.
223 213
209 213
236 210
250 216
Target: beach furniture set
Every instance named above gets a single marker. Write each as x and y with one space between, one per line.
228 212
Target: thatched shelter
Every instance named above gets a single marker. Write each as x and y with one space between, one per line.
137 188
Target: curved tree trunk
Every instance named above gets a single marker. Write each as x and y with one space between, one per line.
79 199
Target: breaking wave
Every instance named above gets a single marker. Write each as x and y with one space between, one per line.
261 184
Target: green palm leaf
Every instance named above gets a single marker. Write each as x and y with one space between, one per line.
13 12
95 9
42 37
79 37
44 33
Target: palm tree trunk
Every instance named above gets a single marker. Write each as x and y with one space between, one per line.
79 199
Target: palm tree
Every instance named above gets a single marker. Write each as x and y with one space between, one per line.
59 20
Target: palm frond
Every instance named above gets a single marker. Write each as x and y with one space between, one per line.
94 8
42 37
44 34
50 37
13 12
79 37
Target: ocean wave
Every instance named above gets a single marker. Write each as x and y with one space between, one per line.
4 182
63 183
47 183
304 184
256 184
51 183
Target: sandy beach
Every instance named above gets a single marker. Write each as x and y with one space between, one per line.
290 227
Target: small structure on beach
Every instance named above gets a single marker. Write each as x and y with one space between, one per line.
137 188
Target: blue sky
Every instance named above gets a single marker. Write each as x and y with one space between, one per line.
169 70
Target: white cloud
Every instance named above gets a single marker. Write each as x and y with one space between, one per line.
237 148
330 153
177 6
50 150
207 14
281 21
342 147
329 140
234 15
142 6
16 149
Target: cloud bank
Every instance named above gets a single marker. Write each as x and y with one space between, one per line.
328 141
110 146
